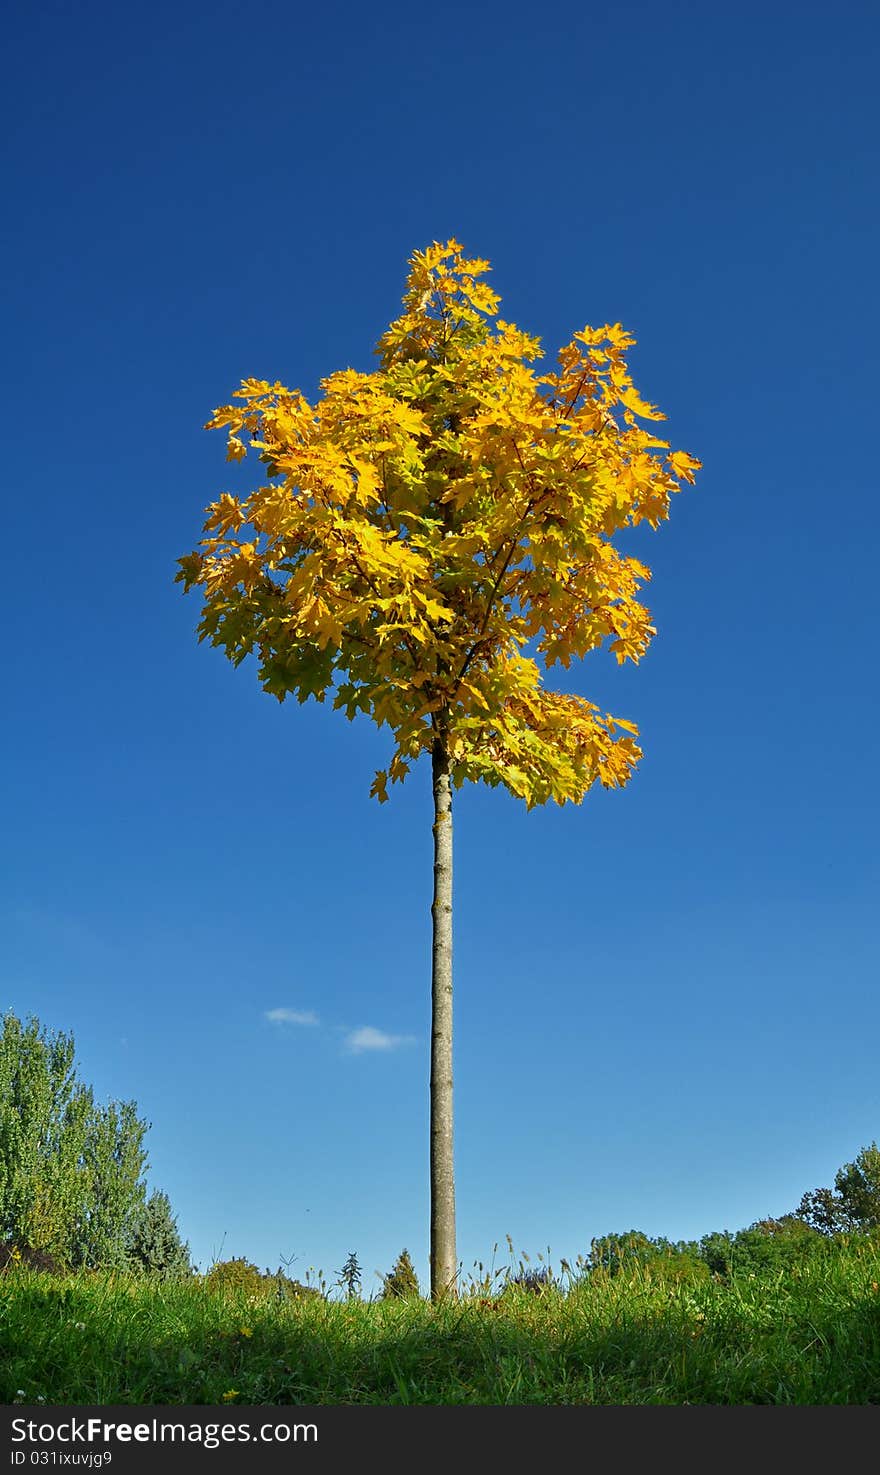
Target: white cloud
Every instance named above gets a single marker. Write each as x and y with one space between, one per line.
291 1016
368 1038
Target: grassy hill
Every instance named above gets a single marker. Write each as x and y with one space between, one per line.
664 1332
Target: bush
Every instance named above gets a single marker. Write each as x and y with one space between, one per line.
24 1257
535 1280
240 1277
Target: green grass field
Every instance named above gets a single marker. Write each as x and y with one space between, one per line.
811 1336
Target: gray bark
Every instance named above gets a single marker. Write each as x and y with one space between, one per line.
444 1264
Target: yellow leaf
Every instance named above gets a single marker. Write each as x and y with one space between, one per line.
633 401
380 787
684 465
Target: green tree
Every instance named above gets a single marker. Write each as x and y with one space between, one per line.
823 1210
667 1260
153 1244
858 1188
420 529
45 1118
350 1277
114 1162
769 1246
616 1252
71 1170
853 1203
401 1282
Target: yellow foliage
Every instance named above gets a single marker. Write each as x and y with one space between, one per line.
427 532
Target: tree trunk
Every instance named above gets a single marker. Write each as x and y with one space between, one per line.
444 1263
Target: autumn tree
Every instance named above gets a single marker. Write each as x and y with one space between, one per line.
425 537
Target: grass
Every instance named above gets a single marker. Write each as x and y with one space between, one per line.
809 1336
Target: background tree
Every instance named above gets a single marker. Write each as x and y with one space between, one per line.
113 1164
71 1170
634 1253
426 534
767 1246
350 1277
45 1122
401 1281
858 1186
616 1252
853 1203
153 1245
823 1210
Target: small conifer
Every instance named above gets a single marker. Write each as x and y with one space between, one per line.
402 1280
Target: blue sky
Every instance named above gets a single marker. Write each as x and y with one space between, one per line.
667 1002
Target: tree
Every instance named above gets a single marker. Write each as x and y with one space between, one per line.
44 1128
350 1277
858 1186
113 1166
767 1246
635 1252
823 1210
153 1243
853 1203
401 1282
616 1252
71 1170
423 534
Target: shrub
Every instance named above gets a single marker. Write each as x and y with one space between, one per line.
24 1257
288 1289
240 1277
534 1280
237 1275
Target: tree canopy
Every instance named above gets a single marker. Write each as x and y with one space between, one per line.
429 532
72 1170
